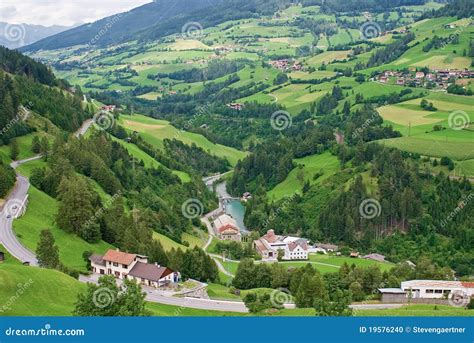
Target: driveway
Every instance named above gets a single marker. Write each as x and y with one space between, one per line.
156 296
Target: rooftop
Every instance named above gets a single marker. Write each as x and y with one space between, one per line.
437 283
97 259
150 272
118 256
392 290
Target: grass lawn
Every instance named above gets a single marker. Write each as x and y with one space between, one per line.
167 242
323 263
326 163
198 238
40 214
416 125
161 310
418 310
44 292
217 291
24 145
340 260
27 168
155 131
9 259
437 148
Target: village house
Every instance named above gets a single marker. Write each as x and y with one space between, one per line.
236 106
419 75
401 82
294 248
124 265
246 196
226 228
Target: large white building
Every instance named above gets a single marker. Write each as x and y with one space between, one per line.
437 289
134 267
294 248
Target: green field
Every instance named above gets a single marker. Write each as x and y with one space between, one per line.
417 127
197 238
418 311
155 131
323 263
40 215
24 145
49 293
436 148
149 161
325 163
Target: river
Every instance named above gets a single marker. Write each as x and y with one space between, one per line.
234 208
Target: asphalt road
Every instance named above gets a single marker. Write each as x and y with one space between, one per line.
7 236
17 196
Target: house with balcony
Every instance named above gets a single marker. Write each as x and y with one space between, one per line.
124 265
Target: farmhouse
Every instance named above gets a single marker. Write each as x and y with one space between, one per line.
132 266
294 248
236 106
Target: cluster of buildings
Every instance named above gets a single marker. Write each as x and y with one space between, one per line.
292 248
428 291
441 78
123 265
286 65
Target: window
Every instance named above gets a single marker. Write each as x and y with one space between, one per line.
124 266
430 291
115 264
438 291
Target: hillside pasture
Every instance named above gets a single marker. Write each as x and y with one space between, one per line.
155 131
325 163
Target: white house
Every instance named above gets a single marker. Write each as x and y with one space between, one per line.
435 289
115 262
294 248
132 266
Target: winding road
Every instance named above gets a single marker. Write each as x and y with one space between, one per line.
13 203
